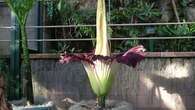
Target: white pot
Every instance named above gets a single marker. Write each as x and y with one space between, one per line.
48 106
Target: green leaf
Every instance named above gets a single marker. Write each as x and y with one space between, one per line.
21 8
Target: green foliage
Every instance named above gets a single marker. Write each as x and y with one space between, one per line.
143 10
125 11
178 30
64 47
21 8
70 15
183 3
50 8
133 12
131 32
173 31
3 67
12 87
66 13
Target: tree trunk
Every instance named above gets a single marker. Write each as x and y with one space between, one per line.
3 103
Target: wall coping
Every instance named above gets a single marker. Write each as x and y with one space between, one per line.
148 55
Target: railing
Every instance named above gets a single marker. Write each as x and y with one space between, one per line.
111 25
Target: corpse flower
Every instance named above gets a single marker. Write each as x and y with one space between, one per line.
101 65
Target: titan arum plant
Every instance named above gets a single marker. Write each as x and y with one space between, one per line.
21 9
101 65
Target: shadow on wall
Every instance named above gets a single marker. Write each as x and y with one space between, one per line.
172 85
176 93
157 84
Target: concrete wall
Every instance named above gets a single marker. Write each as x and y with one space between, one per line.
155 84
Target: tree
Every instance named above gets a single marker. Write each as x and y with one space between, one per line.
21 9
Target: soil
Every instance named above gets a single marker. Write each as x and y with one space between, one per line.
110 105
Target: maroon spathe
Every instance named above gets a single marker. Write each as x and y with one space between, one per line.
130 58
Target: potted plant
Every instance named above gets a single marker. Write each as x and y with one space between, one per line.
101 65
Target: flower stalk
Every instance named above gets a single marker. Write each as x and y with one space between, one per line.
101 102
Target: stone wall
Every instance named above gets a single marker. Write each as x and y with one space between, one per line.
165 83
